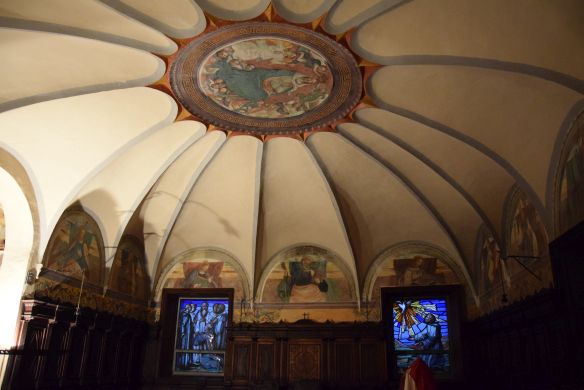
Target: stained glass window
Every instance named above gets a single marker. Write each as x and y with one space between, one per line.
201 336
420 329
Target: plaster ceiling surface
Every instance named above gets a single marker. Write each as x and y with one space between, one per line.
463 100
175 18
302 11
88 18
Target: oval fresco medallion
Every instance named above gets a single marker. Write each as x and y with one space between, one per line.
266 78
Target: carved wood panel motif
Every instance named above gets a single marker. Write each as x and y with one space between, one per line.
304 361
283 354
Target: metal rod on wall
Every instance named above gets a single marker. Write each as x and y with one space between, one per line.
77 310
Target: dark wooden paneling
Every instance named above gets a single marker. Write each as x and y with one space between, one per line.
241 361
343 361
304 360
58 349
372 364
343 355
266 361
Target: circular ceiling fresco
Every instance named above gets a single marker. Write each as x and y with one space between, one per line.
266 78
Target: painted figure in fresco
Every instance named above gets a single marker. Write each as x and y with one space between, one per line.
256 84
304 281
125 280
219 322
140 284
523 230
492 268
431 339
204 276
573 182
185 334
201 337
418 271
77 252
266 78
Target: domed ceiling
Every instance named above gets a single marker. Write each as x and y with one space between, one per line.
250 127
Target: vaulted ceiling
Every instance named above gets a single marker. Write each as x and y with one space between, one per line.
465 100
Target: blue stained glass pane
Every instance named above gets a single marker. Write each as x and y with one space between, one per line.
209 363
421 327
201 336
406 360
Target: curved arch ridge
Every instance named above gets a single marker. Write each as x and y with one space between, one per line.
167 197
175 18
105 67
222 208
205 268
347 14
293 195
388 212
454 160
530 112
448 205
447 31
18 253
90 18
85 133
234 9
303 11
136 171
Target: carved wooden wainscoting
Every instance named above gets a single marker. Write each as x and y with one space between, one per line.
94 350
334 355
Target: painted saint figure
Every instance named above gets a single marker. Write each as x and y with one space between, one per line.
77 252
204 276
219 323
268 78
304 281
185 334
200 339
573 182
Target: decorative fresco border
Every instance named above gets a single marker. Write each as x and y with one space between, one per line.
345 94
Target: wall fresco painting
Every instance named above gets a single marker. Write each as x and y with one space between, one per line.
414 271
526 236
206 273
409 270
306 275
128 274
266 78
571 191
76 247
490 276
492 270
